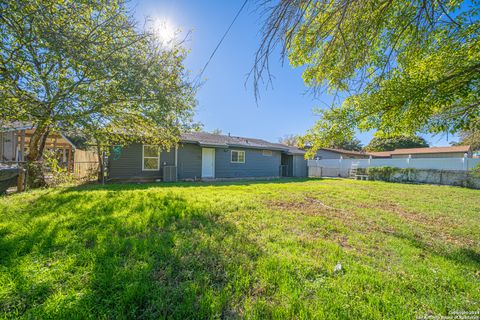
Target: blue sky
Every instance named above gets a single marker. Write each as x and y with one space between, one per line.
225 102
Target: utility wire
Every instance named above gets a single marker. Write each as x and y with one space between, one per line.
220 42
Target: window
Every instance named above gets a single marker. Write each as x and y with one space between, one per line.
151 158
267 153
238 156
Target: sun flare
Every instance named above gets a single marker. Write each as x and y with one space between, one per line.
165 30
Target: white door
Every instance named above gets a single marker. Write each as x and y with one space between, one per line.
208 163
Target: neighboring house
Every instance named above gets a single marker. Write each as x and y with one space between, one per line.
15 138
433 152
201 155
331 153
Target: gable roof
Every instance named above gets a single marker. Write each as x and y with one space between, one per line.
454 149
223 141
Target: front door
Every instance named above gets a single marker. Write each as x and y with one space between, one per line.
208 163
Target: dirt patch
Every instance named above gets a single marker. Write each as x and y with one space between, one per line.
429 229
308 206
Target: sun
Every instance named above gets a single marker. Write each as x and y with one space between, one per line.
165 30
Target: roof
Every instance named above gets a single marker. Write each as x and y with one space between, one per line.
346 152
454 149
224 141
15 125
380 154
20 125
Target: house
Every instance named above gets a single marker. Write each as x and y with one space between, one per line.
15 138
332 153
205 156
433 152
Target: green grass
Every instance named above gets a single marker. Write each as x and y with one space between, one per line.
240 250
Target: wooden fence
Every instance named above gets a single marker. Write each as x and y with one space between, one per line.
85 164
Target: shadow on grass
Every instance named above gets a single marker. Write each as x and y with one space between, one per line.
196 184
155 256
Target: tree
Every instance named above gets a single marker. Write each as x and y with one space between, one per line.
84 66
470 137
353 145
290 140
297 141
404 66
389 143
217 131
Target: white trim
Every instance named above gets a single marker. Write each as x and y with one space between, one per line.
231 154
143 157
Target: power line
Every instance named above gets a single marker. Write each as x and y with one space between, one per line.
220 42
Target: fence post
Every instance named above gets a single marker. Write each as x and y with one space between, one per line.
21 180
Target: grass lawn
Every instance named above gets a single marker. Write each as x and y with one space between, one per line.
240 250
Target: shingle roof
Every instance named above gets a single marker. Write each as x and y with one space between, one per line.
218 140
464 149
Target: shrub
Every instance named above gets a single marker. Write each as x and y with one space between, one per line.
56 174
391 174
475 171
381 173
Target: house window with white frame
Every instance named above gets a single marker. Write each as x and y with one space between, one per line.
237 156
150 158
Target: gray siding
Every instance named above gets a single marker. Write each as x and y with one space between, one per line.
129 164
325 154
256 164
189 161
299 166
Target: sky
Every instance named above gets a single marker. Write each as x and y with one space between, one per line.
226 99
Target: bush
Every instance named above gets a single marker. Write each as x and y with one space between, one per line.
475 172
381 173
391 174
57 174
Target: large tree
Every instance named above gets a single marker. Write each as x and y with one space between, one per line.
290 140
297 141
470 137
389 143
402 66
353 144
85 65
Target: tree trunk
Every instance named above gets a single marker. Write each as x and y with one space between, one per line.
42 145
101 172
35 152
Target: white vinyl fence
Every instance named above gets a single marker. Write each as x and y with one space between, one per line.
341 167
